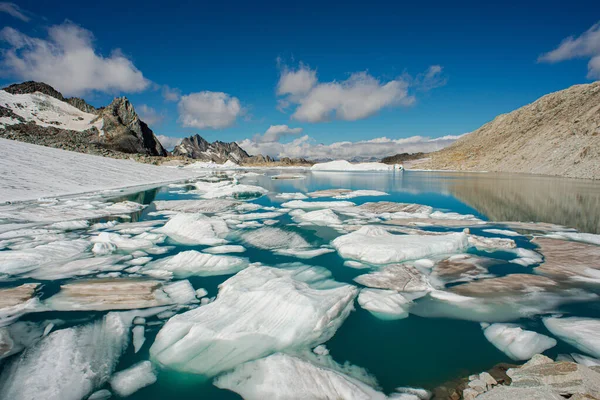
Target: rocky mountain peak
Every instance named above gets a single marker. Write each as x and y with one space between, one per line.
41 87
198 148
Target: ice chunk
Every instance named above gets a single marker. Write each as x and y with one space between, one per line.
313 205
582 333
103 394
114 294
384 304
258 311
578 237
240 192
343 165
270 238
503 232
328 193
194 263
305 254
130 380
15 302
291 196
201 293
373 244
196 229
398 277
70 225
196 206
526 257
485 243
360 193
23 262
567 260
138 332
85 266
181 292
20 335
281 376
225 249
321 350
68 364
461 268
324 217
516 342
122 242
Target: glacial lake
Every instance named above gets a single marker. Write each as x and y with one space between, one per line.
440 340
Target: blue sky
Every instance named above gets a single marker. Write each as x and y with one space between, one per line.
488 53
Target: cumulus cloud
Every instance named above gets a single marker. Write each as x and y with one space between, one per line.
149 115
168 142
358 97
587 45
13 10
276 133
171 94
204 110
68 61
374 149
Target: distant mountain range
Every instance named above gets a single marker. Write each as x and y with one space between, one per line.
558 134
35 112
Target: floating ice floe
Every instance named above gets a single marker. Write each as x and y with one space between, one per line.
194 263
327 193
196 206
534 226
526 257
68 364
228 248
384 304
139 338
259 311
291 196
314 205
281 376
578 237
360 193
120 294
517 343
239 192
304 254
103 394
568 260
324 217
486 243
17 301
269 238
82 267
23 262
374 245
503 232
20 335
127 382
196 229
581 333
111 240
397 277
461 268
343 165
70 225
579 359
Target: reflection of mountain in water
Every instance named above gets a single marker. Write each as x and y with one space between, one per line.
570 202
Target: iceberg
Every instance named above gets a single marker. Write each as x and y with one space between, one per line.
68 364
127 382
269 238
581 333
195 229
281 376
259 311
343 165
194 263
516 342
374 245
384 304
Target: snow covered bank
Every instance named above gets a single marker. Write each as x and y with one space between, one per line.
343 165
29 172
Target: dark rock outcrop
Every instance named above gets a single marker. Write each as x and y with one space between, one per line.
197 148
400 158
124 131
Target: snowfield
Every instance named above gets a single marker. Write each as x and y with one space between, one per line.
29 172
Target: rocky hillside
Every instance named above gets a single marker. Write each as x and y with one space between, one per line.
559 134
37 113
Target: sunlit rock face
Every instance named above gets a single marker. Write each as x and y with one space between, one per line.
258 311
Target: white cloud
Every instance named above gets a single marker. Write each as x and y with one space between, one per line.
168 142
13 10
358 97
204 110
584 46
306 147
171 94
276 133
149 115
68 61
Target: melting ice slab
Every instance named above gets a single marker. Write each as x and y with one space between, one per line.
517 343
582 333
259 311
373 244
68 364
194 263
196 229
384 304
281 376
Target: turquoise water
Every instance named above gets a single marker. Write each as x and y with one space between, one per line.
416 351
